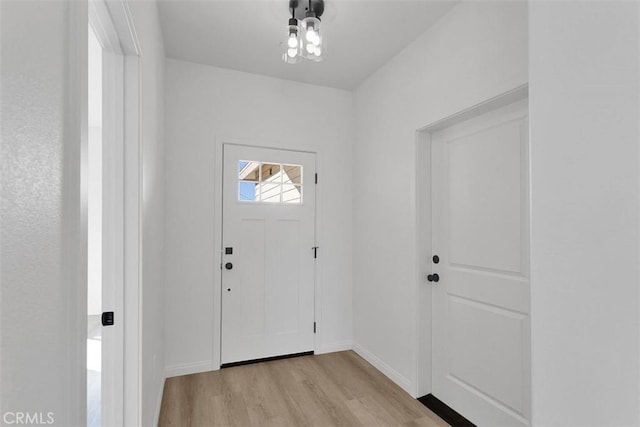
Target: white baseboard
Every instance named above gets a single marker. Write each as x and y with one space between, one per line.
159 401
335 346
387 370
188 368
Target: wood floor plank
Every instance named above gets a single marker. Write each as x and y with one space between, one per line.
369 414
229 409
335 389
427 421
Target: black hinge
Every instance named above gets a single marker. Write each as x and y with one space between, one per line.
107 318
315 251
316 178
314 327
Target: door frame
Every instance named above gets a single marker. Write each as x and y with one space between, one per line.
218 162
116 21
112 158
424 290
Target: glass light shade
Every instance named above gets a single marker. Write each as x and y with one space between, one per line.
314 51
312 44
311 29
310 23
292 42
310 48
290 55
292 47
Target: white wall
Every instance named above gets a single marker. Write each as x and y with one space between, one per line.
145 17
475 52
205 104
43 252
43 241
584 173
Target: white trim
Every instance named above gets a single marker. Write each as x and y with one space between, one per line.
112 397
423 296
130 45
132 246
218 162
387 370
102 24
509 97
123 23
159 402
637 261
334 347
1 411
189 368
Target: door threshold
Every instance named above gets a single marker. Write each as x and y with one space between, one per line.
265 359
445 412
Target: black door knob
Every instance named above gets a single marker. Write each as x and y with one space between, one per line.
433 277
228 266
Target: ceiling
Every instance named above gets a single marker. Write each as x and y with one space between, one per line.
245 35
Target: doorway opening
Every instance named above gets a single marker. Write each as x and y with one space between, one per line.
111 188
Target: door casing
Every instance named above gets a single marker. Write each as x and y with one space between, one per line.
116 18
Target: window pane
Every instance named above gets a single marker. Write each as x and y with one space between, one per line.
269 182
248 170
292 174
270 192
247 191
271 173
291 194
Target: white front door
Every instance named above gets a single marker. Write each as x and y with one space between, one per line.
268 253
481 301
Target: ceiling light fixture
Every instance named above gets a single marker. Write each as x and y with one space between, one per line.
304 41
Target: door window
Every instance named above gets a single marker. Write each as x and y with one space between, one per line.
265 182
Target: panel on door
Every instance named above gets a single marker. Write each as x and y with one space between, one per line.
268 258
481 302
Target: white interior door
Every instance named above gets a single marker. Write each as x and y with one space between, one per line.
268 253
481 301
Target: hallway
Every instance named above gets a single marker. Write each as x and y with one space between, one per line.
424 249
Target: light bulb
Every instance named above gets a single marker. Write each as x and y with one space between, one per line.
293 41
310 47
316 39
292 52
311 35
317 51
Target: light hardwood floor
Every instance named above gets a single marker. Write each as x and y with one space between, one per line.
336 389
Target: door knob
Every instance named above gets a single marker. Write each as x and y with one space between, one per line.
228 266
433 277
